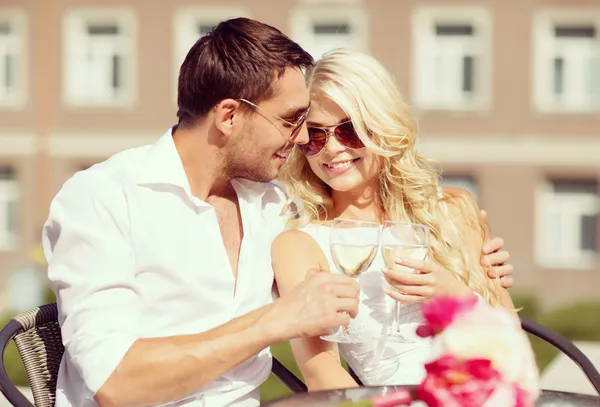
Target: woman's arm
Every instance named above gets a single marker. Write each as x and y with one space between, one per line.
466 216
294 254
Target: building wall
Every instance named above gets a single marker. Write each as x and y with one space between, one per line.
508 147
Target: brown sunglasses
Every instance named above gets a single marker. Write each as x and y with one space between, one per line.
343 132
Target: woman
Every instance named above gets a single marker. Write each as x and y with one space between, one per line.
361 163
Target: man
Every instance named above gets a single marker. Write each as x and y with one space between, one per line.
159 256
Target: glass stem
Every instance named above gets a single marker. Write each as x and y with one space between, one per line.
344 329
396 323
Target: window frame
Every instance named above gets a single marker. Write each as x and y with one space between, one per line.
9 192
544 41
303 18
17 21
574 205
73 21
425 18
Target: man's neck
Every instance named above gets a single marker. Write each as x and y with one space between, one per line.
202 162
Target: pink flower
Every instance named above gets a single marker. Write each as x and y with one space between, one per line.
441 311
525 398
493 334
452 382
400 397
484 357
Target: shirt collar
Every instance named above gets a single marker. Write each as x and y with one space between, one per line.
162 165
250 190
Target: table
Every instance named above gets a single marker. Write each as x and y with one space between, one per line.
332 398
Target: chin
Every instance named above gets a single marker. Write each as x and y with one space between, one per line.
345 185
268 176
274 173
264 175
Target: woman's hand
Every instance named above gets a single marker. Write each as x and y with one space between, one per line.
427 280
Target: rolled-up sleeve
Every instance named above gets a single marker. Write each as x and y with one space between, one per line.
91 269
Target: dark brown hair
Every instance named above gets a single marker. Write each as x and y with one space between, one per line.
239 58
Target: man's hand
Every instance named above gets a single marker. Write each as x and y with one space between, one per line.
316 306
495 259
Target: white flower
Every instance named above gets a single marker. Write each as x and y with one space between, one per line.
492 333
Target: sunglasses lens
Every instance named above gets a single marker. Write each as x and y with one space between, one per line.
347 136
316 141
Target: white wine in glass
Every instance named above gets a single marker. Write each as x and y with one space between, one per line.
352 260
402 240
353 245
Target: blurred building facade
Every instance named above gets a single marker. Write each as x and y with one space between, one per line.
507 94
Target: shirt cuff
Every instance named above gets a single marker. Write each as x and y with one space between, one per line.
97 364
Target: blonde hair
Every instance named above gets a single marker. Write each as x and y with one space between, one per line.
408 182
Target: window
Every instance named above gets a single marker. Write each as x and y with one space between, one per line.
467 183
12 59
452 57
567 61
567 224
191 23
99 49
9 195
319 28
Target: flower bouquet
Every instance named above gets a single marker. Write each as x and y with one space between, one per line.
481 358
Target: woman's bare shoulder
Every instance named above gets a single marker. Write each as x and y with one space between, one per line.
460 202
295 245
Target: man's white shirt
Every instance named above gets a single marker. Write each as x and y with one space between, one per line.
133 254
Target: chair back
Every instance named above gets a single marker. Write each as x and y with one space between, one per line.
37 335
565 346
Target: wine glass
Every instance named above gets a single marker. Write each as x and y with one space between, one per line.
402 240
353 245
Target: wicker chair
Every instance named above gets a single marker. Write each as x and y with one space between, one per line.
37 336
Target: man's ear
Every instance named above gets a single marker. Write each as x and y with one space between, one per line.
226 112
